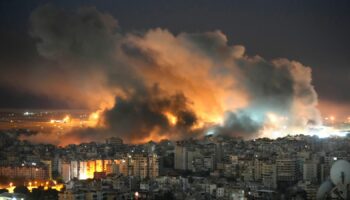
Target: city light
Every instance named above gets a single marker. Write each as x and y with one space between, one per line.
47 185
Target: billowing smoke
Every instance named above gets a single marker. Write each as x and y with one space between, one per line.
154 84
144 115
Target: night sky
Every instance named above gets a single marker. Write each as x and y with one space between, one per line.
314 32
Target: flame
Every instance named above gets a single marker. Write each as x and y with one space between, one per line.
88 168
66 119
171 118
94 118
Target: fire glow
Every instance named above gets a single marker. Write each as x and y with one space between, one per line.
35 184
158 85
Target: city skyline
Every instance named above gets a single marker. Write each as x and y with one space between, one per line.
175 100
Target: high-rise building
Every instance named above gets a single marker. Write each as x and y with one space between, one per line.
48 163
65 172
37 171
141 165
86 169
74 169
184 156
269 175
287 170
180 157
257 170
310 171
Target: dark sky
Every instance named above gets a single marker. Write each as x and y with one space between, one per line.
314 32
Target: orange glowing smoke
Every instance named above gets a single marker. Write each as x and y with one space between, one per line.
213 75
154 136
182 69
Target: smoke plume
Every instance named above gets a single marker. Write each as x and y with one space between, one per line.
155 85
